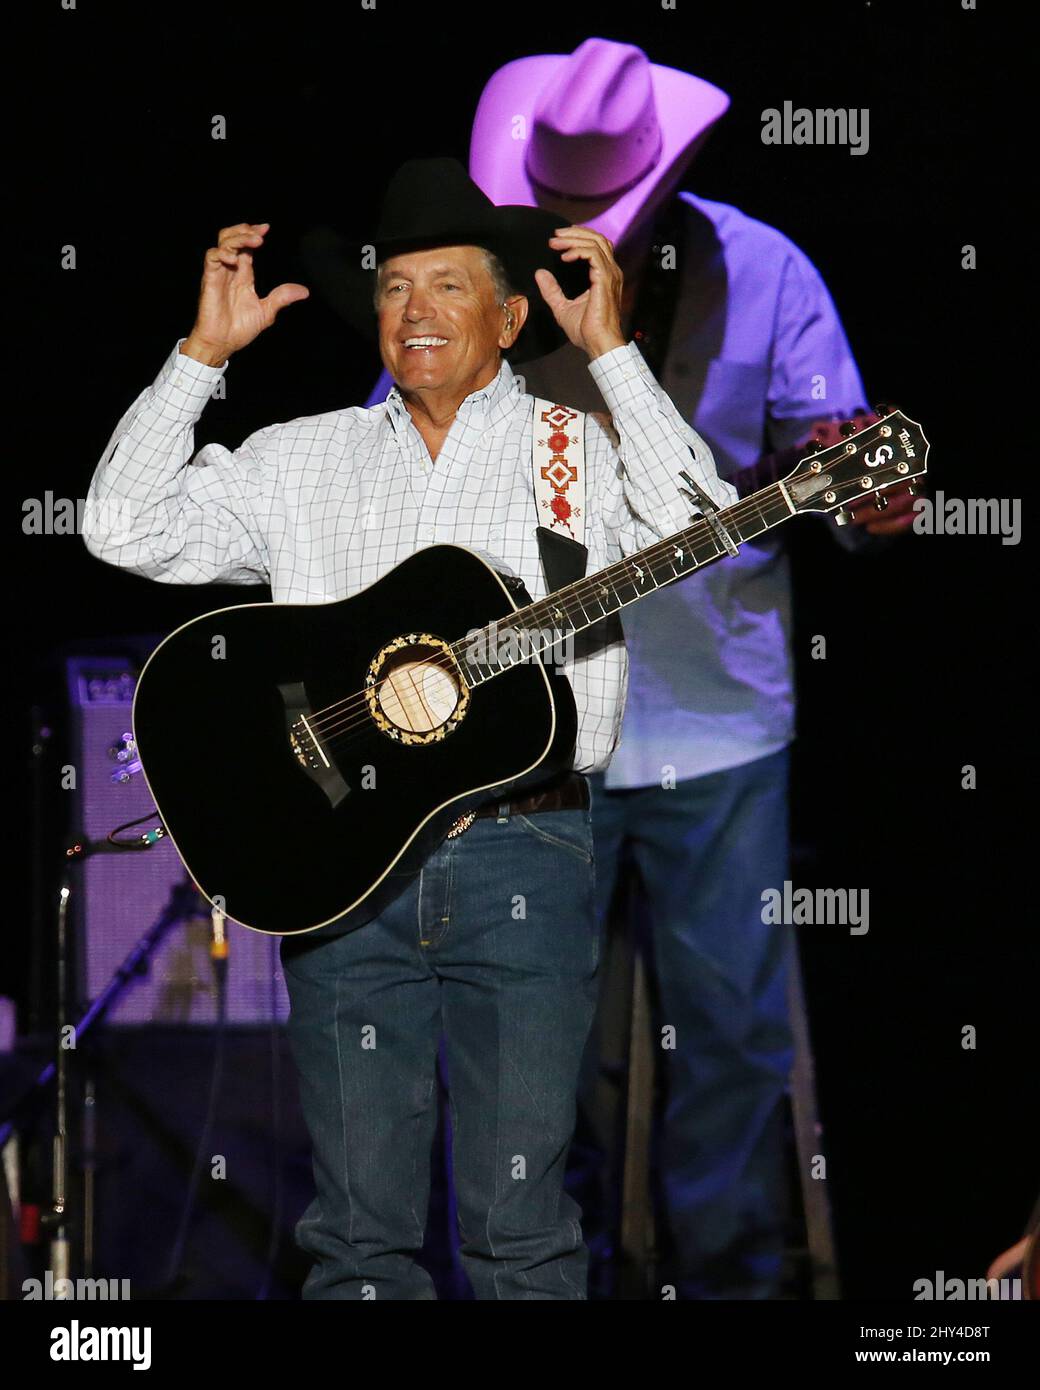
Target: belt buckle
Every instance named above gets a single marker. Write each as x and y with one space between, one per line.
461 825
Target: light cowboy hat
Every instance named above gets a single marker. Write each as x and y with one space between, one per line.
600 122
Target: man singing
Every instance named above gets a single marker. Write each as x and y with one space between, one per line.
320 508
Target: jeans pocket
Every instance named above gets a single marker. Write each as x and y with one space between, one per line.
569 830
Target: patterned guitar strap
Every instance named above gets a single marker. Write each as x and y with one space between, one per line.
558 473
558 470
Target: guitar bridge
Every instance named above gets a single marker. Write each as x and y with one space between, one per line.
305 745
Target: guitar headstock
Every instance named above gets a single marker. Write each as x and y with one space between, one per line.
866 460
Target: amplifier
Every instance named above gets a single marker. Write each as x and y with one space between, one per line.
117 896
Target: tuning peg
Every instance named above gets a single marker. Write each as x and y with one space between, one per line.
843 518
884 409
880 501
849 427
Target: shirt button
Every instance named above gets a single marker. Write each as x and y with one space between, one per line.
426 534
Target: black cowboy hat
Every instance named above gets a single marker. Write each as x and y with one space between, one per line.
434 202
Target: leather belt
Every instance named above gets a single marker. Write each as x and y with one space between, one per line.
570 793
567 793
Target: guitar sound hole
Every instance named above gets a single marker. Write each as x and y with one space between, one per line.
417 691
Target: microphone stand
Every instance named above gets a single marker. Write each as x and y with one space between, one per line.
182 903
55 1218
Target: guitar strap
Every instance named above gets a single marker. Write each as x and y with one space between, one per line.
558 472
558 450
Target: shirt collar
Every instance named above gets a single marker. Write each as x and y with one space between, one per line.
485 408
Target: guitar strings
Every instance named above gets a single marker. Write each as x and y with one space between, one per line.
353 714
340 720
340 712
343 712
419 695
334 729
739 511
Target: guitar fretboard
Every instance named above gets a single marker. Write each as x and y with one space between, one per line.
534 630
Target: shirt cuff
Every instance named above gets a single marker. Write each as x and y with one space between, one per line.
184 385
622 376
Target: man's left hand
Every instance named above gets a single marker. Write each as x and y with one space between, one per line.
592 322
896 518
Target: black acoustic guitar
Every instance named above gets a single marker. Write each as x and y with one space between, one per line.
306 758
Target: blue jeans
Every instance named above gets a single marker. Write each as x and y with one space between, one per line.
495 945
705 850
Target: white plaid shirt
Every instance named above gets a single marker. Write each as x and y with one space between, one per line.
323 506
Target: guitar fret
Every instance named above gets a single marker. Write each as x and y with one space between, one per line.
594 598
584 613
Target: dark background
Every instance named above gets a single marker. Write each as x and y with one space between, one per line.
932 1148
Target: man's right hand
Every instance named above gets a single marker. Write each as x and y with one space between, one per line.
230 313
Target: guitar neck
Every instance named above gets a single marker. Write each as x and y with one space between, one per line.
539 627
770 468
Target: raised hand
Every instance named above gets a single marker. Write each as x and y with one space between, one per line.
592 321
230 313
